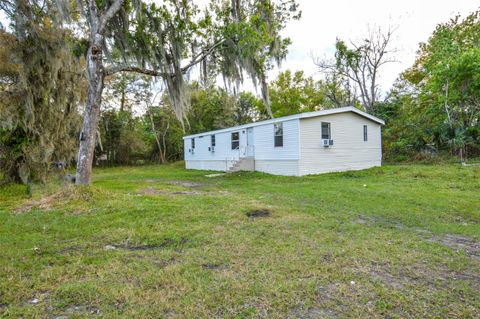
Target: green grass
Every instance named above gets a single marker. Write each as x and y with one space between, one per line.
396 241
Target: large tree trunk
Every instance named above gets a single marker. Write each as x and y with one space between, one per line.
92 112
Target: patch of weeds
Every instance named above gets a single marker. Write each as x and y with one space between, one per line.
374 171
351 174
68 194
82 293
255 213
419 175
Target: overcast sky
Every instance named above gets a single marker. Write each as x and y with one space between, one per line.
323 21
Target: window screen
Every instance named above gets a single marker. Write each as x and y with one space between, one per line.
326 131
235 140
278 134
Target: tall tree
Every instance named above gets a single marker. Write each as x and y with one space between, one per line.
230 37
292 93
41 88
446 74
358 65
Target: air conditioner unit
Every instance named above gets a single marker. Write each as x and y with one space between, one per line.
327 142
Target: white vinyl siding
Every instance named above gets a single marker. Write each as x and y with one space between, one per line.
222 151
281 167
206 165
348 152
263 140
302 152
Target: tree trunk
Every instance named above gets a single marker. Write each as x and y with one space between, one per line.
92 112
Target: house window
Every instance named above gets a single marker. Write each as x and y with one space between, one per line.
193 143
212 140
278 134
235 140
326 131
365 133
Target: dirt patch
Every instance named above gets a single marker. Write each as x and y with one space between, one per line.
419 274
151 180
160 263
212 266
470 246
188 184
155 191
326 305
256 213
82 309
383 273
152 191
378 221
185 193
169 242
71 249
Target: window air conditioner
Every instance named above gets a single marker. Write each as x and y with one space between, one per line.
327 142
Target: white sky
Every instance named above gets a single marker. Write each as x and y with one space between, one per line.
323 21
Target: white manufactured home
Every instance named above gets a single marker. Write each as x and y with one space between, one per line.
308 143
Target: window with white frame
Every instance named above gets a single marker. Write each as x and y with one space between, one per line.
212 141
235 140
365 133
278 134
193 143
326 131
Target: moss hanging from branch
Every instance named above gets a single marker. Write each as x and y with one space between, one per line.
39 100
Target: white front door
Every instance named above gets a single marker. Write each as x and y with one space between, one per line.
250 148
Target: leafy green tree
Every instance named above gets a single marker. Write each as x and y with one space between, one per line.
211 108
247 108
295 93
447 76
163 133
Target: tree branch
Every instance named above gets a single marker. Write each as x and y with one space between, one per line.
199 57
195 60
108 15
128 68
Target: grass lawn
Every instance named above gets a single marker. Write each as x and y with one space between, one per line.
163 242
